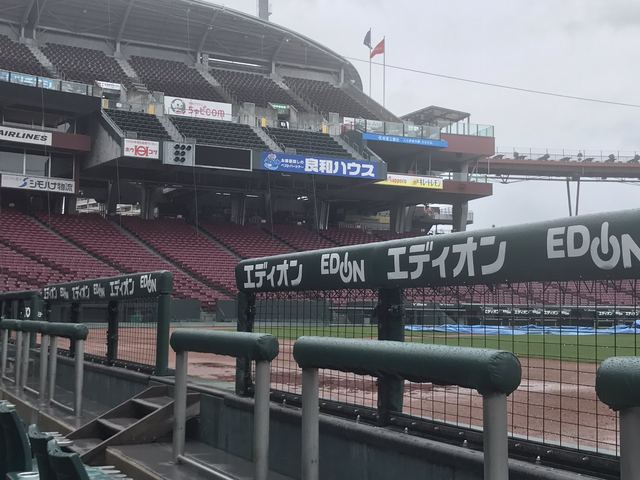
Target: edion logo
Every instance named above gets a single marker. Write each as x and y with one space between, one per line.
605 251
349 271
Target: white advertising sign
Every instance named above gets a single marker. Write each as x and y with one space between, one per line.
41 184
188 107
399 180
109 85
141 148
25 136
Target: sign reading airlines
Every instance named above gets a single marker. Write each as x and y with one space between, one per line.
413 181
188 107
25 136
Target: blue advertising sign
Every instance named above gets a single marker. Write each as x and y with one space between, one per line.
284 162
406 140
4 76
22 79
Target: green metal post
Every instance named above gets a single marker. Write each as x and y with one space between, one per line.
112 331
37 307
390 312
245 309
162 340
76 309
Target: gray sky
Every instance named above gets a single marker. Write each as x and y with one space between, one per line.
586 48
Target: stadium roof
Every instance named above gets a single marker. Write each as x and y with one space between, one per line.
188 25
435 115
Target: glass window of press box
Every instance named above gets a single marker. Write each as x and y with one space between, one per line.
36 163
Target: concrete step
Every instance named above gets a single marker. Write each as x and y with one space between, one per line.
153 459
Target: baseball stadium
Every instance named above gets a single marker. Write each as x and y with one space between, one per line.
221 258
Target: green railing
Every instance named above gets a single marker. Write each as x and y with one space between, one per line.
561 295
128 317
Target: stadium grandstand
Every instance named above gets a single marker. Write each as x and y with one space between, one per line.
244 155
187 137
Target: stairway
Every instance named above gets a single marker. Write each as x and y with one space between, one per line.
46 63
141 419
171 129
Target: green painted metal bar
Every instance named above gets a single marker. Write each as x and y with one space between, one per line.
617 382
589 247
255 346
139 285
618 386
163 333
245 306
390 313
481 369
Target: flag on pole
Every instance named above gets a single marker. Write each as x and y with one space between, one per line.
378 50
367 39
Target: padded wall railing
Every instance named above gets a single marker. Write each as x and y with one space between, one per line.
260 348
26 305
128 318
49 333
493 373
543 291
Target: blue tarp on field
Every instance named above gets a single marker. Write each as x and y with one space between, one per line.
526 330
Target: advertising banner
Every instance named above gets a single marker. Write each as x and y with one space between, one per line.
589 247
141 148
188 107
405 140
25 136
41 184
412 181
109 85
284 162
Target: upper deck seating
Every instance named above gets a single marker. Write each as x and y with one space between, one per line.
308 143
16 57
85 65
215 132
258 89
174 78
147 126
329 98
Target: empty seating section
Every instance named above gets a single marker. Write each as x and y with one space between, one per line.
26 236
308 143
300 238
85 65
328 98
105 240
147 126
16 57
350 236
13 284
28 271
390 235
190 250
247 241
174 78
258 89
213 132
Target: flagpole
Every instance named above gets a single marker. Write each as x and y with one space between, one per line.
370 49
384 70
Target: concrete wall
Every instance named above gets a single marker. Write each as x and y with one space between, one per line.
348 450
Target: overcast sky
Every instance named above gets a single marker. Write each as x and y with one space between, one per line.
585 48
